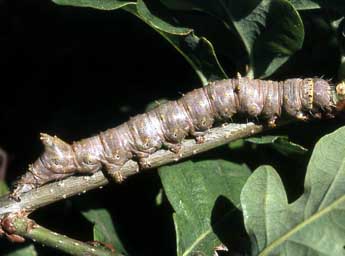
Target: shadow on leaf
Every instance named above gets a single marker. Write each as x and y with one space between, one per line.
227 224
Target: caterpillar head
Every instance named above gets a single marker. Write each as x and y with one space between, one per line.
340 95
340 89
58 156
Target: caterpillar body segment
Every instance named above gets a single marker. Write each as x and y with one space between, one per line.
190 116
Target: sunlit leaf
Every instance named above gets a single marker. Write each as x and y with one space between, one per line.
205 198
313 224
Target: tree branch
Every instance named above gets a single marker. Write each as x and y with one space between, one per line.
27 228
59 190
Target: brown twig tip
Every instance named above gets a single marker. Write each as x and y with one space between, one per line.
8 228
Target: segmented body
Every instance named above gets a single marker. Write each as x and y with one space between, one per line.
168 124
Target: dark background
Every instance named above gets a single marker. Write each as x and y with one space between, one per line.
73 72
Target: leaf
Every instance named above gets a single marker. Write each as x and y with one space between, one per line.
318 4
279 143
103 229
305 4
3 188
96 4
263 139
237 144
271 30
205 197
313 224
198 51
158 23
159 198
338 27
28 250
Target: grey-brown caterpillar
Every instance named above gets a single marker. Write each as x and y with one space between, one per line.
168 124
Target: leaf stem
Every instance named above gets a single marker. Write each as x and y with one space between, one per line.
29 229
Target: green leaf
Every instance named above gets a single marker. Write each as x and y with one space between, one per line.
279 143
103 229
97 4
269 139
271 30
205 197
159 197
198 51
287 148
3 188
313 224
158 23
28 250
338 5
305 4
237 144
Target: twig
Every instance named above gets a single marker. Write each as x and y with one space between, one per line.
29 229
3 164
80 184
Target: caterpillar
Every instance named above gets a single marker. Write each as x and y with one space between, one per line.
190 116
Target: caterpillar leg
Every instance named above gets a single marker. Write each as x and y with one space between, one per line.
142 159
175 148
301 116
114 171
199 136
272 122
144 162
329 115
315 115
